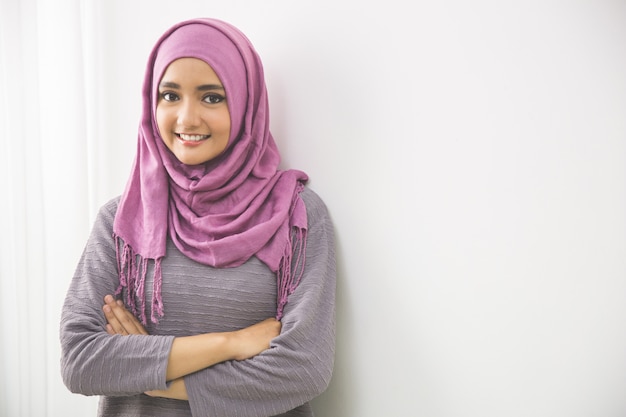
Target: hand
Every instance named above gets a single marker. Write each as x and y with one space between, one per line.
119 319
251 341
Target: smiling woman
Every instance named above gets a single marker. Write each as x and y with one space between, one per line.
222 264
472 156
192 113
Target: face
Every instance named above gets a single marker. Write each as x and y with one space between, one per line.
192 114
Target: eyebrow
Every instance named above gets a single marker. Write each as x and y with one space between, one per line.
203 87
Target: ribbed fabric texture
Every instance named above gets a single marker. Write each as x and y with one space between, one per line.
201 299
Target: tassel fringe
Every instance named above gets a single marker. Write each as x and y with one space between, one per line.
133 279
291 269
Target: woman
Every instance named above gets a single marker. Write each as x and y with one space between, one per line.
208 287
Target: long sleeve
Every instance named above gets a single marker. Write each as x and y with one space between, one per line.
94 362
202 299
299 364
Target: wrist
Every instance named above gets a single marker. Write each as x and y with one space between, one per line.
232 343
193 353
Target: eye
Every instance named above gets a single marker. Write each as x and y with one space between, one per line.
213 98
169 96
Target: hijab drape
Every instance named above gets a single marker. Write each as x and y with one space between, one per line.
222 212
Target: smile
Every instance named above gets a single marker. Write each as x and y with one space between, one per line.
192 138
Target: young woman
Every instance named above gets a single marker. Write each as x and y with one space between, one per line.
208 287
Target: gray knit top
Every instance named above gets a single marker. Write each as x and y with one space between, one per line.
201 299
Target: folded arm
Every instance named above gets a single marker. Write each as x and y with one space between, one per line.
298 366
115 359
193 353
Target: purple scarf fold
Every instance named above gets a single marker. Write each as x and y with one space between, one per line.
225 211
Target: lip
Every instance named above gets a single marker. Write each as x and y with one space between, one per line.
192 143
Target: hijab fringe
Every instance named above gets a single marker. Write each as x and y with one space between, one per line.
291 269
133 278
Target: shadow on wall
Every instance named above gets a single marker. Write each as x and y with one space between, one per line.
341 393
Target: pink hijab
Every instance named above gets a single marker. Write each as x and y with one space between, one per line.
222 212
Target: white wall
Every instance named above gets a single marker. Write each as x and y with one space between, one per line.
473 157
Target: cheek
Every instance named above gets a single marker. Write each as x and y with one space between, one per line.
218 121
224 120
161 120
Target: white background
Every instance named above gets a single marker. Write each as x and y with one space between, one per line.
473 158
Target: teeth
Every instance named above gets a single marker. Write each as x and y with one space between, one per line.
194 138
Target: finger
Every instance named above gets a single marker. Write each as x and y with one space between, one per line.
133 325
130 322
125 319
113 324
110 329
116 315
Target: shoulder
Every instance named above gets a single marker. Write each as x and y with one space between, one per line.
106 214
318 217
109 208
315 206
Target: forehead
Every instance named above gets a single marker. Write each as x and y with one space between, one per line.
190 70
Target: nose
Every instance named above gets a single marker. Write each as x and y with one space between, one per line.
188 114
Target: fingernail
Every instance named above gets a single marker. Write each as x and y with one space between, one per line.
106 309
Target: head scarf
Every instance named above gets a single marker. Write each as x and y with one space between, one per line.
222 212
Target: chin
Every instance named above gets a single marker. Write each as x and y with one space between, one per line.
192 161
